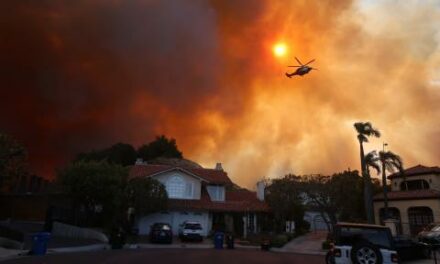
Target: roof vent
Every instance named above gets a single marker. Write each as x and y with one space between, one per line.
218 166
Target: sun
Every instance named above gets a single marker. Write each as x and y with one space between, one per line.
279 49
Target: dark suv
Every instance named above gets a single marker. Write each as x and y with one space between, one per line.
161 233
362 243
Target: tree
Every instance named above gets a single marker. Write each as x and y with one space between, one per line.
390 162
364 131
96 187
317 195
144 196
337 197
119 153
105 193
160 147
13 163
284 198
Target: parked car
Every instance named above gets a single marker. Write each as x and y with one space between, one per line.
191 231
430 234
161 233
409 249
362 243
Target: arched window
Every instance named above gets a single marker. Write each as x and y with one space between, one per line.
419 217
175 187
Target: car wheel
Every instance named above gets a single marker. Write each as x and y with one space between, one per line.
427 253
365 253
329 258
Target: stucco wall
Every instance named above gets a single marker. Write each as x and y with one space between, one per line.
403 206
432 179
164 177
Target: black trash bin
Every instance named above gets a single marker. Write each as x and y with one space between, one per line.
230 241
265 245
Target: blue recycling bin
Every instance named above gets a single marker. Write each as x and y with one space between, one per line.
218 240
39 243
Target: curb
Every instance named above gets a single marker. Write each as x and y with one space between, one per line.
95 247
304 252
174 246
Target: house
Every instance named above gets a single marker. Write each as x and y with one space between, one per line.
414 199
204 195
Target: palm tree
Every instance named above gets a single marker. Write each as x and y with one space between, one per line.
390 162
365 130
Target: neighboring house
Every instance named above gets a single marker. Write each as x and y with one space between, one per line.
414 199
204 195
316 220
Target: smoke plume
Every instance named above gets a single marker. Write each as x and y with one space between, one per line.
82 75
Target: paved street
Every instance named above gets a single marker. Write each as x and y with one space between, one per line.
181 256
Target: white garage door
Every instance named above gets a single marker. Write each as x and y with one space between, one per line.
145 222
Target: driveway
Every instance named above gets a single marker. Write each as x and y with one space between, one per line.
181 256
310 243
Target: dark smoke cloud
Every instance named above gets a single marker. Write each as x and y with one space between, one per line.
78 75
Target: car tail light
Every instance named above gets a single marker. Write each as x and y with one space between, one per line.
337 252
394 258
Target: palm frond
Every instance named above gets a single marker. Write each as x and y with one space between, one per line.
366 128
371 160
392 161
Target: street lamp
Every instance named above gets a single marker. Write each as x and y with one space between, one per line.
384 181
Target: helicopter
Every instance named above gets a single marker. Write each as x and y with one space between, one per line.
302 68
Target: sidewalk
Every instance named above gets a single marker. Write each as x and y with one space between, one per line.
10 253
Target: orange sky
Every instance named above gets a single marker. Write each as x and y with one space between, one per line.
86 74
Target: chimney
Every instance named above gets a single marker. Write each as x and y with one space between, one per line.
218 166
261 185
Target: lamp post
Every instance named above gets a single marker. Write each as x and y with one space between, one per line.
384 182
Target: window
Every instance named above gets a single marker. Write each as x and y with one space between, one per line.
175 187
414 185
216 193
419 217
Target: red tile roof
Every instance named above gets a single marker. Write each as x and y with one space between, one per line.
409 195
416 170
235 201
212 176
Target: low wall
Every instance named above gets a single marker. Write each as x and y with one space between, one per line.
64 230
10 244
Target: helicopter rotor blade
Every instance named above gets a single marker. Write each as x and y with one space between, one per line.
314 69
309 62
298 61
296 66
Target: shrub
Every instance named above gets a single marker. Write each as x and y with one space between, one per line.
279 240
326 244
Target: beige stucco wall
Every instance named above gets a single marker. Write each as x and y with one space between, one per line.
403 206
197 186
432 179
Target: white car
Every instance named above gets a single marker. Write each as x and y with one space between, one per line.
191 231
363 244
